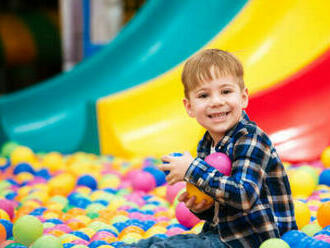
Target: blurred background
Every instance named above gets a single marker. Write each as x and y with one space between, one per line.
39 39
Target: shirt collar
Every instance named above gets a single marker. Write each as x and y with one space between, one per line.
206 142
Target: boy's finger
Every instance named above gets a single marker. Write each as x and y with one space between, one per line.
165 167
183 196
166 158
190 203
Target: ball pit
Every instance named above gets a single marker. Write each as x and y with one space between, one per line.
109 209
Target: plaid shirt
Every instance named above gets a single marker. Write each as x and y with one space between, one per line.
255 202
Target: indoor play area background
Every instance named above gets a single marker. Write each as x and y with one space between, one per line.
100 81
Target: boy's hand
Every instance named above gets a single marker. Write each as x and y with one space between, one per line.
177 167
190 203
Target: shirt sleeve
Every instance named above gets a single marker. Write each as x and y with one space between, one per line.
240 190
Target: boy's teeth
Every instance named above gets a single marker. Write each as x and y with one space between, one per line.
218 115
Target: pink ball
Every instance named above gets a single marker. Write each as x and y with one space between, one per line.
8 206
174 231
219 161
184 216
143 181
172 191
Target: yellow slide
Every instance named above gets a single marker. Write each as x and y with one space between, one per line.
273 39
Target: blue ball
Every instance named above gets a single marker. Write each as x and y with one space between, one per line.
23 167
325 177
43 173
293 237
174 154
80 235
8 226
4 164
157 174
97 243
88 181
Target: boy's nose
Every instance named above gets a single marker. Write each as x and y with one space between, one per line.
217 100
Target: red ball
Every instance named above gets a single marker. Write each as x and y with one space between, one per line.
219 161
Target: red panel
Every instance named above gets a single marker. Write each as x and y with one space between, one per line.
296 112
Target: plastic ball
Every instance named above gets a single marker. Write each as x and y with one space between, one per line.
293 237
23 167
61 184
87 180
312 171
22 154
48 241
274 243
199 195
3 234
311 229
158 174
219 161
7 148
8 206
4 215
325 157
323 214
172 191
53 161
325 177
184 216
22 231
8 226
302 213
143 181
302 183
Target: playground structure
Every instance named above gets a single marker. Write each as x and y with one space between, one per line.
126 100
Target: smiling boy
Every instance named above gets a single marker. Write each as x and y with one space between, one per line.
254 203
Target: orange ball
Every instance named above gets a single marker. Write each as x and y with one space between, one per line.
323 214
194 191
3 234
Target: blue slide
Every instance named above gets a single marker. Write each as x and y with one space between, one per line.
59 114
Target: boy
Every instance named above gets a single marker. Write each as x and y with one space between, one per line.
254 203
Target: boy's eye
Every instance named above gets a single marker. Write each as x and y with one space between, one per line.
226 91
202 95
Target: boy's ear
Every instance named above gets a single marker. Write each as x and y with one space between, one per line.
245 98
187 106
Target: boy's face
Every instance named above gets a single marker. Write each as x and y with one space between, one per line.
217 105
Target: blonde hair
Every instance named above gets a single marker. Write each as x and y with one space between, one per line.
197 68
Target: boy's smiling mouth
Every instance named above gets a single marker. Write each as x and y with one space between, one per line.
218 115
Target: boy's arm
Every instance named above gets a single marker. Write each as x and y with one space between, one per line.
242 188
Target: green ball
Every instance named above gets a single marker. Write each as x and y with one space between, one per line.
48 241
311 229
7 148
27 229
274 243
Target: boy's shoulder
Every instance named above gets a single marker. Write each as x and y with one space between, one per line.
249 130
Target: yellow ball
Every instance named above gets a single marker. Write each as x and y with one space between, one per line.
302 213
62 184
302 183
53 161
22 154
200 196
4 215
325 157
